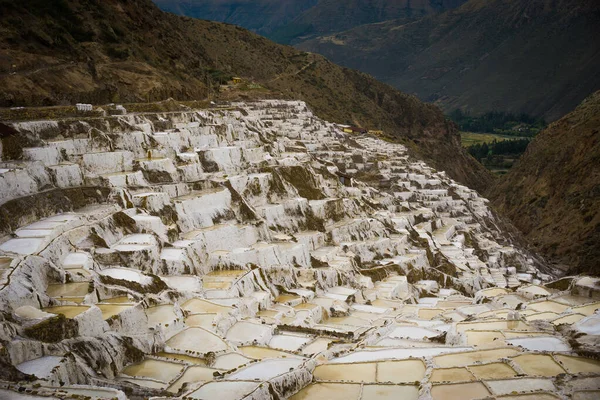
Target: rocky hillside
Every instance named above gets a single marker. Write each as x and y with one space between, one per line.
295 21
70 51
553 193
531 56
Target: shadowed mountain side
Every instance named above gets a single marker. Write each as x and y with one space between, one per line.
292 21
521 56
553 193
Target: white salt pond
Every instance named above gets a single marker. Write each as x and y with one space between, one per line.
203 306
538 365
197 340
11 395
472 357
127 275
29 312
548 343
41 367
68 290
147 383
266 369
354 391
183 283
33 233
110 310
386 371
76 260
317 346
459 391
411 332
161 315
67 311
91 392
194 374
395 354
288 342
245 332
509 386
261 353
224 390
156 369
330 391
230 361
205 321
589 325
22 246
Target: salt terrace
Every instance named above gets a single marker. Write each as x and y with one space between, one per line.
259 252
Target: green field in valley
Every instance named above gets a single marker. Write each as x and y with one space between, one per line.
470 138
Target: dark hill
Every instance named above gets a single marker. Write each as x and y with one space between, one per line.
100 51
539 57
553 193
260 16
292 21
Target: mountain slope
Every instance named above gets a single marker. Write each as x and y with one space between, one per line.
291 21
532 56
129 50
331 16
553 193
260 16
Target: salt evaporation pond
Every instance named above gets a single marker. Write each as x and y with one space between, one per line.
471 357
161 315
548 343
538 365
288 342
67 311
197 340
224 390
22 246
459 391
266 369
40 367
230 361
497 370
264 352
183 283
195 374
156 369
396 354
127 275
410 332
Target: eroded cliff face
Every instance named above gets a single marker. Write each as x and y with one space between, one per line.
553 193
256 251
